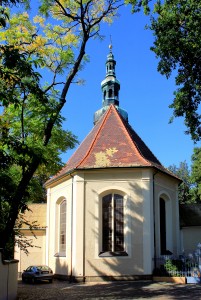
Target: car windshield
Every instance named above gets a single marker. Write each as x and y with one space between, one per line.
37 268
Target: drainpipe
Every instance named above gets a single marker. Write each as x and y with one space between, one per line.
153 182
71 255
47 228
84 208
84 234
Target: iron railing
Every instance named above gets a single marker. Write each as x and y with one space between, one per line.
181 266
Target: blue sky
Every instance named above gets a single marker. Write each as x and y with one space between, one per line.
144 94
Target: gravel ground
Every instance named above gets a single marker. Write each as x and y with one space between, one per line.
123 290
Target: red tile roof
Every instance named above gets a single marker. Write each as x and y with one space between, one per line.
111 143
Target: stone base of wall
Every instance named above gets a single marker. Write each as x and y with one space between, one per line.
179 280
62 277
118 278
103 278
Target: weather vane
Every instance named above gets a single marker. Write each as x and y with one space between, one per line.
110 46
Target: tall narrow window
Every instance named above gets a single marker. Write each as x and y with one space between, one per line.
113 225
104 95
62 228
162 226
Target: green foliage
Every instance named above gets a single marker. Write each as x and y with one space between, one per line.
196 174
31 133
3 16
183 172
172 266
13 2
176 28
190 188
137 5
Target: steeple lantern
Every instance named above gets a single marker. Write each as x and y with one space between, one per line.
110 64
110 85
110 89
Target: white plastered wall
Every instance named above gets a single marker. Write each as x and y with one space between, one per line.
60 265
136 194
167 189
83 193
148 224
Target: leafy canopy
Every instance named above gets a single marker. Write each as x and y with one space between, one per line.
176 28
39 60
190 188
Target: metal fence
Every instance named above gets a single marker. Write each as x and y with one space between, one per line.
181 266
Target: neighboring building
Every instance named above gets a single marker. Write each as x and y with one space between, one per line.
35 215
113 207
190 224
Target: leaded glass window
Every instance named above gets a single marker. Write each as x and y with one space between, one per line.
112 223
62 234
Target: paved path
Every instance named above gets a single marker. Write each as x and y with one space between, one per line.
62 290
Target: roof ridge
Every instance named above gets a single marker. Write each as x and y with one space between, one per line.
93 142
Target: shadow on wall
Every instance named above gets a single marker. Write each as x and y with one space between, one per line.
61 269
117 267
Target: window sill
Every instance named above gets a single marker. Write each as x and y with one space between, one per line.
60 255
112 254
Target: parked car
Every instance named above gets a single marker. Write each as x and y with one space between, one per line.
37 273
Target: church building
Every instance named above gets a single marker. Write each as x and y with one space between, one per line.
113 207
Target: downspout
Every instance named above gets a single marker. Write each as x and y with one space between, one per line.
71 256
154 218
72 223
84 234
47 229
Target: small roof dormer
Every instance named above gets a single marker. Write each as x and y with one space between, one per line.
110 89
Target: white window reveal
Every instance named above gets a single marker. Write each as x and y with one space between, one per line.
60 232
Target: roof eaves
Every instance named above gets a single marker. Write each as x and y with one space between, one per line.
71 171
57 178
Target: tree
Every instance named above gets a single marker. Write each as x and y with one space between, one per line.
190 188
176 28
196 174
31 117
3 11
61 141
183 172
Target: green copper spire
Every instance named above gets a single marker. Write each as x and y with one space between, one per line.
110 85
110 88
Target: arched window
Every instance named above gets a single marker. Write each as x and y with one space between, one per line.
113 225
104 95
166 224
60 236
110 93
62 227
163 226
